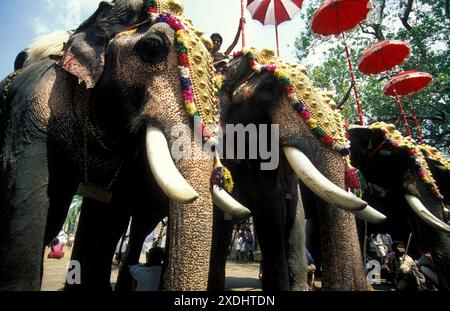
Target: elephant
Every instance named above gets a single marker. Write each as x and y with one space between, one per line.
410 196
255 94
125 62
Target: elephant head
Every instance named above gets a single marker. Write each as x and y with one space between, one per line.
155 79
259 89
395 163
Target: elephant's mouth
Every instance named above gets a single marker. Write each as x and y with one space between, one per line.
172 182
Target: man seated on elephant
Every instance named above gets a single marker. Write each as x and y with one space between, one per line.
217 43
403 269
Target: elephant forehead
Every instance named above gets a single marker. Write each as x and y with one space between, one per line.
396 140
319 104
434 154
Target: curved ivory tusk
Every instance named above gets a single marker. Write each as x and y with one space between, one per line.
164 170
370 214
228 204
421 211
319 184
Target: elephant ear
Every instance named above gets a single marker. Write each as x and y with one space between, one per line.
84 53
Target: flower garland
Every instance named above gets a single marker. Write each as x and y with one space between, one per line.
394 139
434 154
221 176
353 177
299 106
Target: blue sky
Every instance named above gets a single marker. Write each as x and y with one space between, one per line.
23 20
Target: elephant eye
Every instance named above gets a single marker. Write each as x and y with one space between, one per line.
152 49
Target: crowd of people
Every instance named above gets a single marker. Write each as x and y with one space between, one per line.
243 242
400 269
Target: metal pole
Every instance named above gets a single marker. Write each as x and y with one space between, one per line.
402 112
355 89
243 23
276 35
413 112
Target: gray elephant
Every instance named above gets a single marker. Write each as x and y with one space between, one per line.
257 94
125 62
411 198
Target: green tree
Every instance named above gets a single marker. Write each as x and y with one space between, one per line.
424 24
74 210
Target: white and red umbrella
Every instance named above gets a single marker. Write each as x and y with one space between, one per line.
274 12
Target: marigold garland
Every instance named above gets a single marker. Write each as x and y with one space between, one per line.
221 176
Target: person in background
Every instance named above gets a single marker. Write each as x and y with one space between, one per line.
403 270
311 270
218 57
249 245
147 277
426 266
239 247
56 249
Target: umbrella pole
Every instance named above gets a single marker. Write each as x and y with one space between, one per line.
276 37
413 112
243 23
355 90
402 112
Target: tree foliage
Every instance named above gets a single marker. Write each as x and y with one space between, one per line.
424 24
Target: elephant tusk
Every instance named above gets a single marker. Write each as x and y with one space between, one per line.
228 204
423 213
370 214
319 184
164 170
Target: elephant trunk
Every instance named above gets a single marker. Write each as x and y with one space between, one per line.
341 255
191 230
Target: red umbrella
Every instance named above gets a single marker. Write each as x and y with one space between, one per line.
335 17
405 84
274 12
383 56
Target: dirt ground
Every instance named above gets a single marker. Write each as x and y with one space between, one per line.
240 277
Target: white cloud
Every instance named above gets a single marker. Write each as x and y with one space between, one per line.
39 26
61 15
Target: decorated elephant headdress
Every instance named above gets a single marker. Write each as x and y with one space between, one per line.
434 154
316 108
394 139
